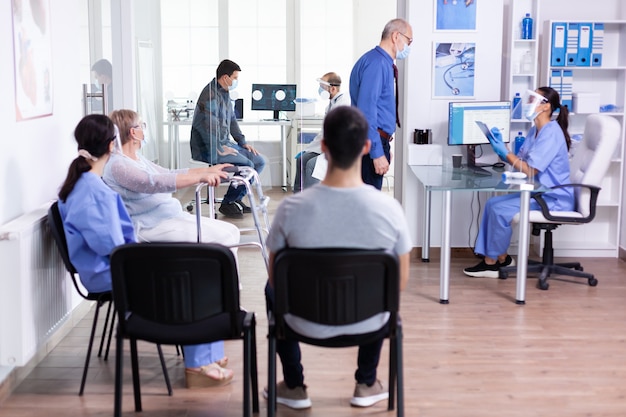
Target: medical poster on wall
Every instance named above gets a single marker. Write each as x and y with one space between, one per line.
453 69
455 15
32 55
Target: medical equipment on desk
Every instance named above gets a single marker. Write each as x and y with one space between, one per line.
460 62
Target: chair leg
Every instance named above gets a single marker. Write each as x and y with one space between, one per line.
134 360
166 375
255 371
393 373
399 373
271 375
106 352
104 329
119 352
88 357
246 372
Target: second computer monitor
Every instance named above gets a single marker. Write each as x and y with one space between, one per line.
274 97
462 118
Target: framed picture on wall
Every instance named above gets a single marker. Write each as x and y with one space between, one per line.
453 69
32 55
457 15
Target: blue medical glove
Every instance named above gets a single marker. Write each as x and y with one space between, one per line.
498 146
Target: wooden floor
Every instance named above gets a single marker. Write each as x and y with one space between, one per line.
561 354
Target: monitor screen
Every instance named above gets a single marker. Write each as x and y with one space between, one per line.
274 97
462 118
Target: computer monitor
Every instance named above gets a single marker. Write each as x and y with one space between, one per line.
274 97
462 127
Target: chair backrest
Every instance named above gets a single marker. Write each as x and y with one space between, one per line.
173 285
593 156
58 232
335 286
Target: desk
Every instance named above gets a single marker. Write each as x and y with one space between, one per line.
174 140
448 180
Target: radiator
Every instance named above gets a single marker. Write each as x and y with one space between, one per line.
35 297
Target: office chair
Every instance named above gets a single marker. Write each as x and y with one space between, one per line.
587 169
337 287
179 293
56 227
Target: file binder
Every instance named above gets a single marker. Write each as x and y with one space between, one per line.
567 81
556 79
572 44
597 44
557 51
583 57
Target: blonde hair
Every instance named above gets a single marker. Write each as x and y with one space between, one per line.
124 120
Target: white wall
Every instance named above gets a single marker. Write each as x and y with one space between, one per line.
422 112
36 153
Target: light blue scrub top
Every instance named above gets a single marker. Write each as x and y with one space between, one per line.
95 222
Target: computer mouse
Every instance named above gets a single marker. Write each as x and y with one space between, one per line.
498 165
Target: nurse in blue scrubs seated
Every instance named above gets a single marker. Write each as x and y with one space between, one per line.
95 221
544 158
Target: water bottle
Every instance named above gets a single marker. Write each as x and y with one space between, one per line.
527 27
519 141
517 106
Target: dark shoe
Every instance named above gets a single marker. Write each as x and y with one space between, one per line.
509 261
365 396
295 398
244 209
231 210
482 270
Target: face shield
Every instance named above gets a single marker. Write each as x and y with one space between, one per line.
529 103
323 89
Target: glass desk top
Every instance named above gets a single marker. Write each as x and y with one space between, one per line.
444 177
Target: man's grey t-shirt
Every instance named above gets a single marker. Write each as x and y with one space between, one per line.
321 216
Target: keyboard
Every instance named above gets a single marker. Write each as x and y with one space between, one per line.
481 172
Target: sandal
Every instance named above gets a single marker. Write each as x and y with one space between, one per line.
211 375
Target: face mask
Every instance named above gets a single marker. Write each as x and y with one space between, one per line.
404 52
530 111
233 85
323 93
531 101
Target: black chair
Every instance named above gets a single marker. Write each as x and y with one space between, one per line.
179 293
337 287
101 298
587 170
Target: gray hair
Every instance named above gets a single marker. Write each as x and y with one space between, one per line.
395 25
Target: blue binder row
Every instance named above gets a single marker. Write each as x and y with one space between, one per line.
562 81
576 44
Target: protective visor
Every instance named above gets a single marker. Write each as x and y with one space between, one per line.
527 106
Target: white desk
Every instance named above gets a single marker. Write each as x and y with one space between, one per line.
447 180
174 140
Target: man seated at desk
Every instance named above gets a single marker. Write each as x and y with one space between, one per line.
330 84
214 121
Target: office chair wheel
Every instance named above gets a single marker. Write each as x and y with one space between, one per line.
189 207
503 274
592 282
579 268
542 285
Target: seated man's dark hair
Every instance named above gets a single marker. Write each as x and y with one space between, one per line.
345 134
226 67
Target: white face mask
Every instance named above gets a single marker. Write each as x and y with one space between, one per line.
530 102
233 85
404 52
323 93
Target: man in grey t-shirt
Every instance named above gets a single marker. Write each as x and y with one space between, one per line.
341 212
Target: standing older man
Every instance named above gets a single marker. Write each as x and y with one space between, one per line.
372 91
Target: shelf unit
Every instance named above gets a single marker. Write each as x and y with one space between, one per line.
601 237
520 76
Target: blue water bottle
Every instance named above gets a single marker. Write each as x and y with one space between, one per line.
527 27
519 141
517 107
